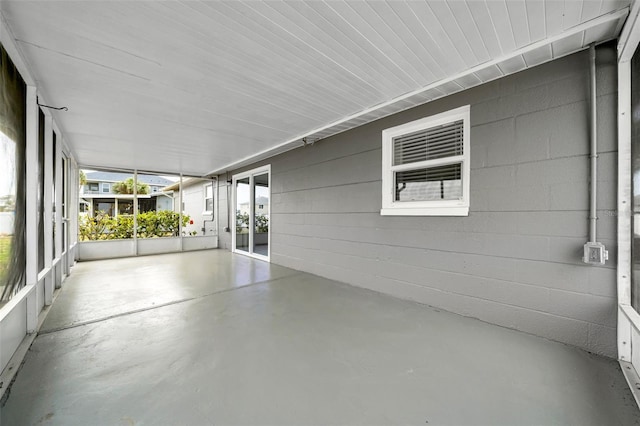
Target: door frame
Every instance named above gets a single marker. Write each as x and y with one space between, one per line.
250 174
628 332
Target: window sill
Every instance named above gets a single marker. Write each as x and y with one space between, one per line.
431 211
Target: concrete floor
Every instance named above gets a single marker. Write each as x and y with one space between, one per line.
213 338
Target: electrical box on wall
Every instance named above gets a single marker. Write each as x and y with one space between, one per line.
595 254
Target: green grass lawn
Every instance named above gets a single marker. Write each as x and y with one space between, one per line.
5 256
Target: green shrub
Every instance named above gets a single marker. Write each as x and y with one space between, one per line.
150 225
164 223
96 228
262 223
242 223
122 227
5 256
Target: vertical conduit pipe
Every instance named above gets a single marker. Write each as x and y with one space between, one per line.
135 212
216 219
593 218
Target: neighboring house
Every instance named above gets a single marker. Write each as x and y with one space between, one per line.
197 203
97 195
261 207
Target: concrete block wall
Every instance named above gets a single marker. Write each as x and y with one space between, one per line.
516 259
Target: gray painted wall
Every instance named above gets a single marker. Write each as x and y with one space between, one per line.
516 259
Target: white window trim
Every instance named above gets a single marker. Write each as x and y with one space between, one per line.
425 208
105 185
205 198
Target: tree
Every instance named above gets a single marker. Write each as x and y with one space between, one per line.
83 178
126 187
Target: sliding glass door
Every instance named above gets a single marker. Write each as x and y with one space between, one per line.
252 204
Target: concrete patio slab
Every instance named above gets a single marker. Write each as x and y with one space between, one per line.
291 349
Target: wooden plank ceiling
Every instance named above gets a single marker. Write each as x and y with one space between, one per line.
197 87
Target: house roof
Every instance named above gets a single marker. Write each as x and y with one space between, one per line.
118 177
114 196
200 87
186 182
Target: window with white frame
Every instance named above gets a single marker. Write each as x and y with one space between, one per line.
425 166
208 199
106 187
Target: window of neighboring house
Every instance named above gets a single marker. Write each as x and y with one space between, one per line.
104 207
93 186
106 187
208 199
425 166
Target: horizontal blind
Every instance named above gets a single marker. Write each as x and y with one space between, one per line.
429 184
429 144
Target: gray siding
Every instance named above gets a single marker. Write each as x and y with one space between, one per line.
516 259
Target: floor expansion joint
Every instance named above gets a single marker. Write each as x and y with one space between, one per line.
161 305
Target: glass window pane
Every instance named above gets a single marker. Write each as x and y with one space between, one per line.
429 184
12 178
208 199
8 172
125 207
243 209
261 214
